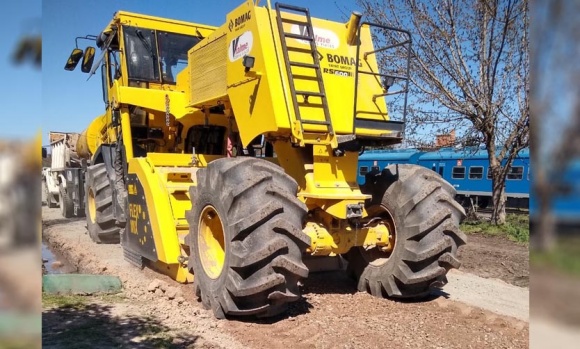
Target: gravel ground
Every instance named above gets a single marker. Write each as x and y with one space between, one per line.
330 315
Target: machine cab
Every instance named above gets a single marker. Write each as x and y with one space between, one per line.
142 52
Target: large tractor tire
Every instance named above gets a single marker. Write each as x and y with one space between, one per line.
101 222
424 219
66 203
246 238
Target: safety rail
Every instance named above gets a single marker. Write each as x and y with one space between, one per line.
390 125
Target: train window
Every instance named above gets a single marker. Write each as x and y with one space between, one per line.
458 172
476 172
434 168
363 170
489 173
515 173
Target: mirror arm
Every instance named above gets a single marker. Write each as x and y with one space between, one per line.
86 37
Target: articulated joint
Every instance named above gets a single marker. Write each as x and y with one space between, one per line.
340 240
322 243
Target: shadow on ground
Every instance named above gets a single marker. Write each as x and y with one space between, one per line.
95 326
339 282
323 284
51 222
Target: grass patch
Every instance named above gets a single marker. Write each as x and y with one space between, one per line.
77 301
516 228
64 301
565 257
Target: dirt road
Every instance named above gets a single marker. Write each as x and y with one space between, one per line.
470 312
496 257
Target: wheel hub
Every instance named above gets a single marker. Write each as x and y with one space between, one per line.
92 206
379 255
211 242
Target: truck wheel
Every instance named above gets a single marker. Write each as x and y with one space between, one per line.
50 201
423 218
66 203
246 238
99 206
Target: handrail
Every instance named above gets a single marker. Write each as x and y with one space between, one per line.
406 77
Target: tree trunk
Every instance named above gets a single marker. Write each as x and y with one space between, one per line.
498 196
544 229
498 214
546 232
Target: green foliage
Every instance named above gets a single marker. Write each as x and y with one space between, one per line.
516 228
76 301
565 257
68 301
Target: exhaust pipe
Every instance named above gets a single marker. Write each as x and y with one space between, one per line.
352 26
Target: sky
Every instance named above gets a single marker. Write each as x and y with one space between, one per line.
53 99
69 101
21 91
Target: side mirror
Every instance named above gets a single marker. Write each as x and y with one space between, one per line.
73 59
88 59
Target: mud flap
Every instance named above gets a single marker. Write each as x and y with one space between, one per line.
137 237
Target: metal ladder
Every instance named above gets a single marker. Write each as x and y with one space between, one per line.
307 35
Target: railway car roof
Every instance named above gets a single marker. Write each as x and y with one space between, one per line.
441 154
388 154
471 153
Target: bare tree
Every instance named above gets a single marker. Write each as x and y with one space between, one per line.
469 72
555 107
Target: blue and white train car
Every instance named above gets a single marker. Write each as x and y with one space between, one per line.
379 159
565 203
466 169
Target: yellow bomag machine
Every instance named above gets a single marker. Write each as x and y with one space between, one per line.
227 156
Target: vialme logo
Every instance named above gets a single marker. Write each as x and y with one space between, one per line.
240 46
323 37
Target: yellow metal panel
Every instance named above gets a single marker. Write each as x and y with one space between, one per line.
169 159
207 65
160 23
174 271
160 212
256 96
154 100
324 181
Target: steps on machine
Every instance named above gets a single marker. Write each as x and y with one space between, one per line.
307 34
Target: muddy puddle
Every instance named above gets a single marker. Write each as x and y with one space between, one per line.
54 263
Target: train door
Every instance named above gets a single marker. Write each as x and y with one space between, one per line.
439 168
